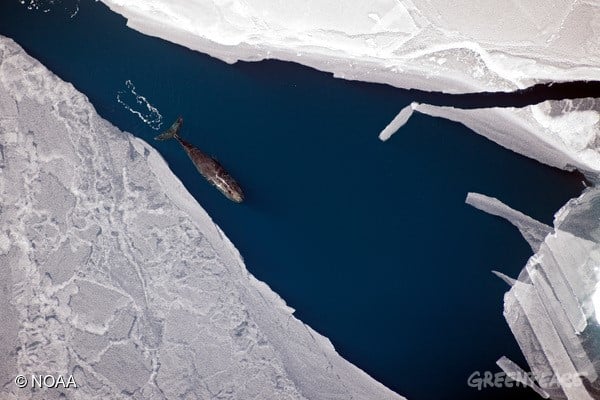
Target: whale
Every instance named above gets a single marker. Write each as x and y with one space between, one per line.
208 166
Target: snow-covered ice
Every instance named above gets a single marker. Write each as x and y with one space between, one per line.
561 133
457 46
112 272
552 307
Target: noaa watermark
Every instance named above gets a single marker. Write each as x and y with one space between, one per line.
487 379
45 381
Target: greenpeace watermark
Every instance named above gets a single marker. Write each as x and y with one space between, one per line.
487 379
45 381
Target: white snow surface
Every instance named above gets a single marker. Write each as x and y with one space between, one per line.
457 46
112 272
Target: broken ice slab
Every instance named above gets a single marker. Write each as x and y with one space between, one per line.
516 373
536 131
509 281
560 320
547 356
398 122
533 231
565 292
551 309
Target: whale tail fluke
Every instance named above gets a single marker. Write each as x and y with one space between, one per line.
172 132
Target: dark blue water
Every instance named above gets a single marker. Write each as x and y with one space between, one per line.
370 242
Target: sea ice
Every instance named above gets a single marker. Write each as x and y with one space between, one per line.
111 272
458 46
533 231
517 374
561 133
398 122
551 308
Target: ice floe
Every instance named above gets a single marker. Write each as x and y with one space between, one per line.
398 122
460 46
552 307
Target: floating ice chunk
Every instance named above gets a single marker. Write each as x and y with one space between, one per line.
509 281
516 373
561 323
561 287
398 121
559 366
552 308
524 333
576 260
533 231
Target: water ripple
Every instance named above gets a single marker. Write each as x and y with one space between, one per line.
71 7
139 105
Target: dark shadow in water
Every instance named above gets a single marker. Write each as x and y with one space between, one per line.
519 98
